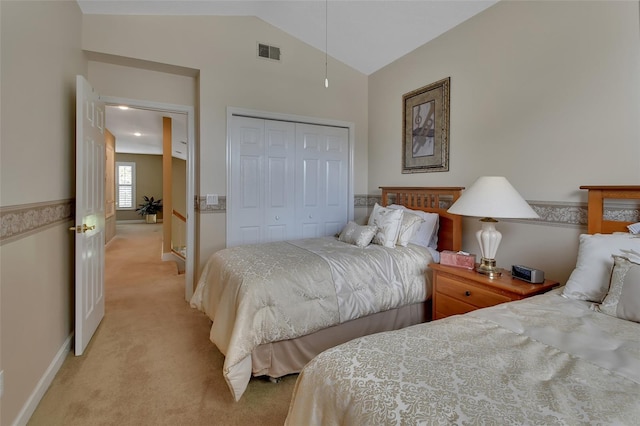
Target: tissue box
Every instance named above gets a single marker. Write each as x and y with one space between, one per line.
461 260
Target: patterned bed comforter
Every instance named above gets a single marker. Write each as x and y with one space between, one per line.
544 360
257 294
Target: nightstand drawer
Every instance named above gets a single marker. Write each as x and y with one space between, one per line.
447 306
468 294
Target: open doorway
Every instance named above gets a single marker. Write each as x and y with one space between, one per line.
141 130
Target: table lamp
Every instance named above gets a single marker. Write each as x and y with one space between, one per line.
491 197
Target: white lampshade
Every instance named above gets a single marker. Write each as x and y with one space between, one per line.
495 197
491 197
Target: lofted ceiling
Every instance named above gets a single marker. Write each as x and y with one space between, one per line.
363 34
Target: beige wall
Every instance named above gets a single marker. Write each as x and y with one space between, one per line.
544 93
223 50
148 181
40 58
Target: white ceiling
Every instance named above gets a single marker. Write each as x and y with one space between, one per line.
124 124
364 34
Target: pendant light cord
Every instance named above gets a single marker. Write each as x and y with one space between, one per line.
326 43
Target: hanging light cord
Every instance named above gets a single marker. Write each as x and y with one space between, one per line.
326 38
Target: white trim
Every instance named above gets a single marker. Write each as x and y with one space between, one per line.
43 384
191 167
267 115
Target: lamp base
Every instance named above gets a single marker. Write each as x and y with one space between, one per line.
488 267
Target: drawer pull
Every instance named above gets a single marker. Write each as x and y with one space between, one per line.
467 293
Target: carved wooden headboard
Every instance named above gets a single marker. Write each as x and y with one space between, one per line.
596 223
433 200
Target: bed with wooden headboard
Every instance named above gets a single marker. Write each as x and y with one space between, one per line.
555 358
434 200
272 304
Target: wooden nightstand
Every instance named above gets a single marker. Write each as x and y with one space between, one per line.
459 290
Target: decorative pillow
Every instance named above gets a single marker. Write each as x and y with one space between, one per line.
623 299
359 235
408 227
427 233
590 278
388 222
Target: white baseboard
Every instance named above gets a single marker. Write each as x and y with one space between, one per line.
171 257
43 384
130 221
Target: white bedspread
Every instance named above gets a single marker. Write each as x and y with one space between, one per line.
264 293
544 360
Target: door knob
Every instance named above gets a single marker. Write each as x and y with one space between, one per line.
82 229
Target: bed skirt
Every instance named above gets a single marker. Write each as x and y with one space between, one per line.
278 359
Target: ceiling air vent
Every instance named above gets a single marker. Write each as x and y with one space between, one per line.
268 52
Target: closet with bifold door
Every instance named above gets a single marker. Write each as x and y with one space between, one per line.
287 180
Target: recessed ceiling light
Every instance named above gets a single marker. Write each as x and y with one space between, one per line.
123 107
138 134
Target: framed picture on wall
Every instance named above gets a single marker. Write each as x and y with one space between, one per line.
425 133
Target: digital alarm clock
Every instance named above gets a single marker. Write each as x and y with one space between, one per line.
525 273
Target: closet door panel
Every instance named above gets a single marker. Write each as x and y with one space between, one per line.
334 184
279 216
323 152
246 180
309 190
336 156
309 199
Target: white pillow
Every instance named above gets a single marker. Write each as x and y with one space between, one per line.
359 235
590 278
623 299
427 233
408 227
388 222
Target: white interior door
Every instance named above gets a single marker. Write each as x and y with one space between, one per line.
89 229
322 179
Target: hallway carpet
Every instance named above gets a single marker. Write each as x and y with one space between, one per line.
151 361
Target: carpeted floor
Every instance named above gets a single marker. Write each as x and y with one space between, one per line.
151 361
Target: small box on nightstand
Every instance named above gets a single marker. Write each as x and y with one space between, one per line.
459 259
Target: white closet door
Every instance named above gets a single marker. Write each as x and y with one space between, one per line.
322 179
246 184
279 216
286 180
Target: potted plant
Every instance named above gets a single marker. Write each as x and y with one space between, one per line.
149 209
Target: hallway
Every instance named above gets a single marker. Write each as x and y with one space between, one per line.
151 361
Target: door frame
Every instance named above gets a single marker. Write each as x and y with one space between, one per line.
189 111
266 115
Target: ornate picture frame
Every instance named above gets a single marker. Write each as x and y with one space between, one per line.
425 132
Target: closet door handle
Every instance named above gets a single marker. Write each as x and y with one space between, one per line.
277 217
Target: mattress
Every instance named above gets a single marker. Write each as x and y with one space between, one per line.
543 360
263 293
